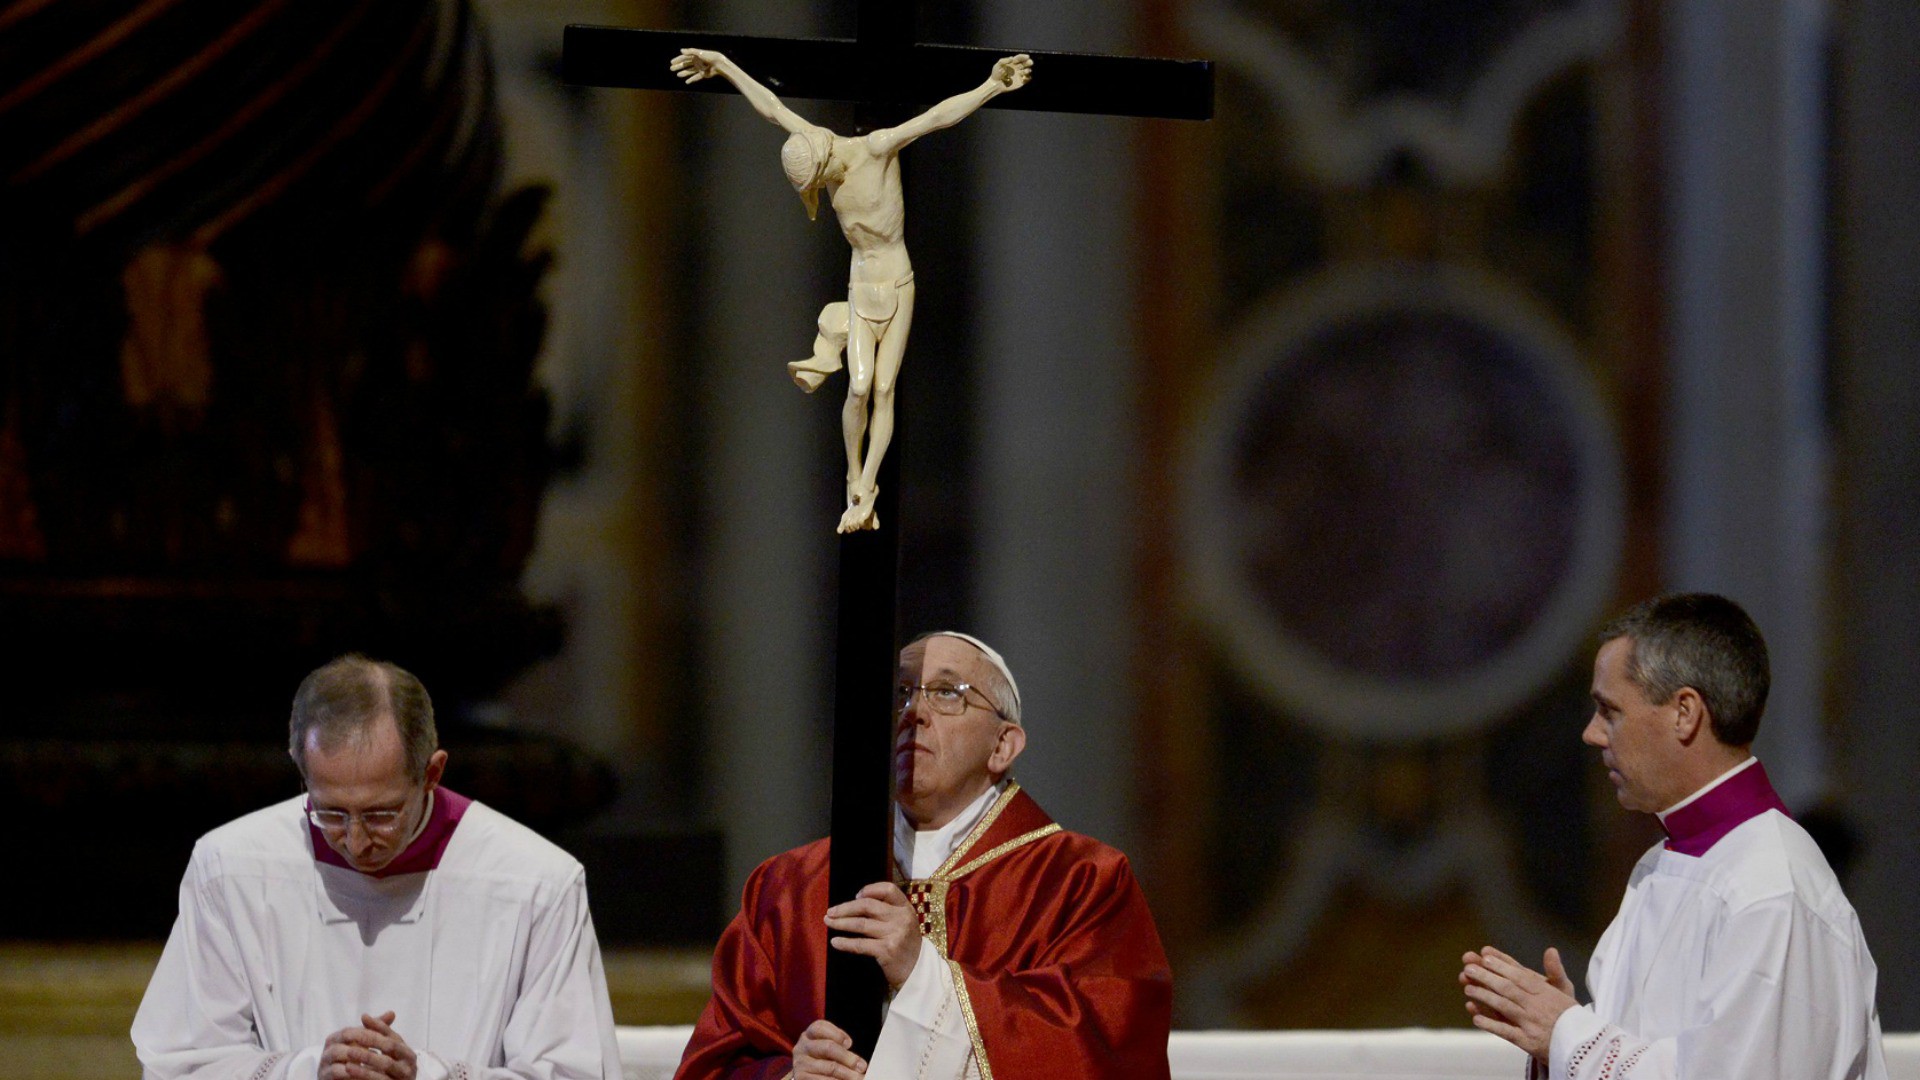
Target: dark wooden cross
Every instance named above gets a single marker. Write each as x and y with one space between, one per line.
890 77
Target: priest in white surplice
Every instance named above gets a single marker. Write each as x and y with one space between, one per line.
379 927
1735 954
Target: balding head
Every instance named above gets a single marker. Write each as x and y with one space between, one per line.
345 698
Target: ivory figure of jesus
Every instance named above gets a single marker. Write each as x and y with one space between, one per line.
861 176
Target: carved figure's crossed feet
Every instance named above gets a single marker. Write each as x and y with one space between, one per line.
860 510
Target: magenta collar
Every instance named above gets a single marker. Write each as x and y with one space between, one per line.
1697 826
423 854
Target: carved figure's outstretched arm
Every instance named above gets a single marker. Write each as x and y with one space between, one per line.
1009 73
696 64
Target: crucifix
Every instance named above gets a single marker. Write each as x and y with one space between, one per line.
889 77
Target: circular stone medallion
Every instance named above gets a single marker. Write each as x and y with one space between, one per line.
1404 502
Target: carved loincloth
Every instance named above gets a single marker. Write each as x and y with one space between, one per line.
876 302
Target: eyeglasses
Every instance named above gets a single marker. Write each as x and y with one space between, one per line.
945 698
376 822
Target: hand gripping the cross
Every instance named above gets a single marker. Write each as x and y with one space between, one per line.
824 1051
877 922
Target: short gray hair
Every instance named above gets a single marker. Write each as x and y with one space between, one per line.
1000 692
1703 641
345 696
998 684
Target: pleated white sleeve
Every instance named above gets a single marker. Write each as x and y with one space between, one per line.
196 1019
1780 994
925 1033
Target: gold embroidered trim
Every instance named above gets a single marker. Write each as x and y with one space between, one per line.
973 1025
928 897
1017 842
980 830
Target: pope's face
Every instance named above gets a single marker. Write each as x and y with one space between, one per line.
1635 737
367 774
942 763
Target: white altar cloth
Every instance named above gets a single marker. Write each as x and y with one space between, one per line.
650 1053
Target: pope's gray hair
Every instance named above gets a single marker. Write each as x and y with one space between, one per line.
998 684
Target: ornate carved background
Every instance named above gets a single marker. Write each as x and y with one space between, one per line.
1411 482
267 329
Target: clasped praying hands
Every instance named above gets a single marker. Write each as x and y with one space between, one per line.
372 1051
1514 1001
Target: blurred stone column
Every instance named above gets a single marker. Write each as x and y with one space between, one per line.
1877 398
1749 446
1056 424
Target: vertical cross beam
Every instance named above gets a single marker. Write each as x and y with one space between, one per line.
862 823
889 76
866 648
885 30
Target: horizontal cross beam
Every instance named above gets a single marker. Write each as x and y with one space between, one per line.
838 69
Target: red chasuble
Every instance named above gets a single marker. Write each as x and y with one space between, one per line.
1046 933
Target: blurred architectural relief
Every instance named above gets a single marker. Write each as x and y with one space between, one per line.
268 324
1405 498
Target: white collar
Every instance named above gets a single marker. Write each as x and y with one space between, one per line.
919 853
1716 782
